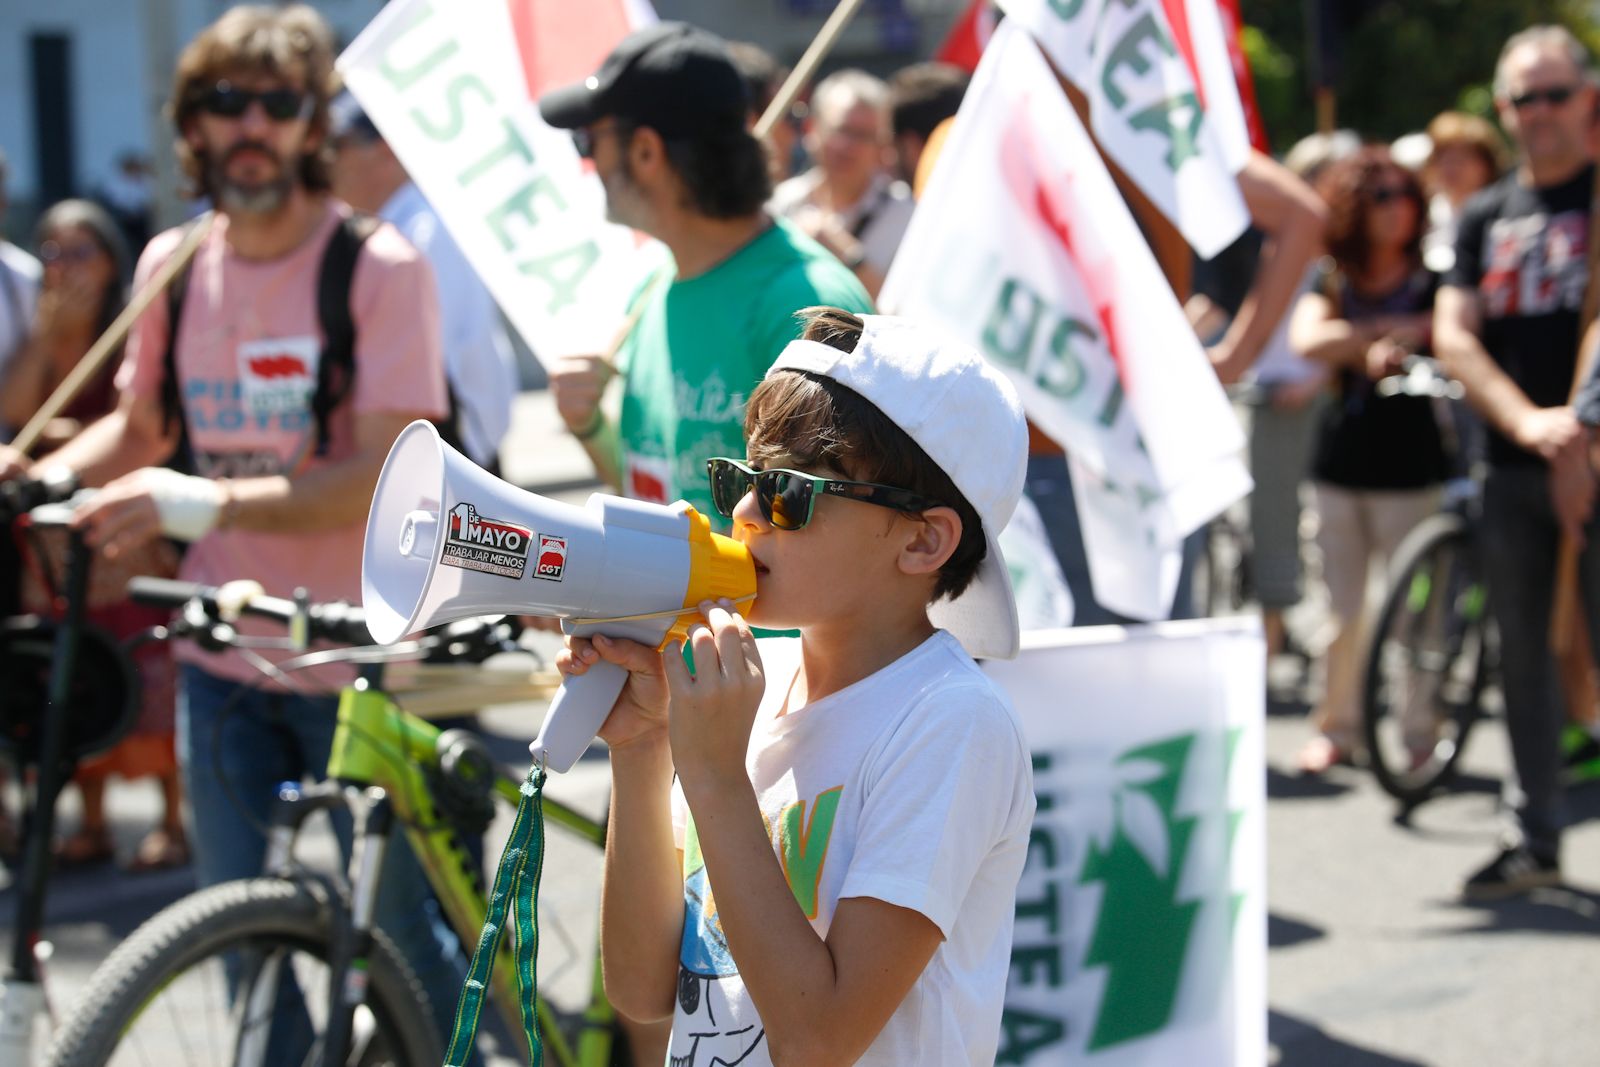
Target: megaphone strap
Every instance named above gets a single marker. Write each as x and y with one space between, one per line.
515 892
671 613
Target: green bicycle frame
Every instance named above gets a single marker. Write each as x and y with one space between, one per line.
377 744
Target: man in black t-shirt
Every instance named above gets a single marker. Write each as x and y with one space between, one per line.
1506 324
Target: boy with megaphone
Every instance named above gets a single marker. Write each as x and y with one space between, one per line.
831 879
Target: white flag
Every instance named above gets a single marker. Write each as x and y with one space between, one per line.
1022 246
1145 107
453 89
1204 43
1140 937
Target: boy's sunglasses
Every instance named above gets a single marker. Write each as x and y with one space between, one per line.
787 498
1555 96
281 105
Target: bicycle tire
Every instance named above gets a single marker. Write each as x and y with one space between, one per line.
225 918
1460 669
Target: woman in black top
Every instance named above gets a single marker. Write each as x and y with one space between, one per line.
1379 461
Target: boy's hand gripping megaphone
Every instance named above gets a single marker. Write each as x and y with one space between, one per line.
447 540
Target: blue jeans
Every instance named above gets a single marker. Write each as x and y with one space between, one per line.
235 744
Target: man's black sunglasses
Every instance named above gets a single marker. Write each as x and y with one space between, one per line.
1555 96
281 105
584 138
787 498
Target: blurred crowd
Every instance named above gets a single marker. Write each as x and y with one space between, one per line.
1464 241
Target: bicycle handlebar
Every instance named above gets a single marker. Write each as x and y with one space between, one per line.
21 495
334 620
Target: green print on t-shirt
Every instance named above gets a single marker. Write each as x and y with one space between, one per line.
803 846
801 843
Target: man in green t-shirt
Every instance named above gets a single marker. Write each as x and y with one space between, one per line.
663 119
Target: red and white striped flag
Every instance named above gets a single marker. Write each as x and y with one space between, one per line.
1022 246
454 89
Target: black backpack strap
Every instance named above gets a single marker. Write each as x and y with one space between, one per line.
171 398
336 370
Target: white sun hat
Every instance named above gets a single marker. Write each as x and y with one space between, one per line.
967 418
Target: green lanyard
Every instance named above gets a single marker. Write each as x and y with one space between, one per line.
516 887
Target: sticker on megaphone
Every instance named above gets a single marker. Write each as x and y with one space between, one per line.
625 568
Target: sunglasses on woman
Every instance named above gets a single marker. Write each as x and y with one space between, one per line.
281 105
56 252
787 498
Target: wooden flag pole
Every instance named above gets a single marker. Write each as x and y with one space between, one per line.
115 334
803 70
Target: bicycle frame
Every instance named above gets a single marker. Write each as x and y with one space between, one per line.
22 998
378 745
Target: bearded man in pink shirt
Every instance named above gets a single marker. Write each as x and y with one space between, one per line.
223 437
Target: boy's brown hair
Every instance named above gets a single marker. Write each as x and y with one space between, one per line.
292 43
799 419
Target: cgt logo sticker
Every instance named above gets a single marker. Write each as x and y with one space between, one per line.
491 546
552 558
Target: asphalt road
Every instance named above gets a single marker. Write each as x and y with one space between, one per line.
1373 961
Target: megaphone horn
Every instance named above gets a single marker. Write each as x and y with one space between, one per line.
447 540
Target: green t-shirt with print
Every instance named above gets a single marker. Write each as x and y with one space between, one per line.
700 347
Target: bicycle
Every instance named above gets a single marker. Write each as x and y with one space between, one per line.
66 692
231 959
1431 656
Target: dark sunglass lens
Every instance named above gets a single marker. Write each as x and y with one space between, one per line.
227 101
726 487
1558 96
281 104
791 504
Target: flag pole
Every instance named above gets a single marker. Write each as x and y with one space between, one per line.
809 61
115 334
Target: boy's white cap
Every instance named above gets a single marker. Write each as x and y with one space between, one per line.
967 418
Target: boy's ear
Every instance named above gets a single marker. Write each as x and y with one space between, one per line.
933 541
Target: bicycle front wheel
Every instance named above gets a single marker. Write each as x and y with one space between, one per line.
238 974
1428 660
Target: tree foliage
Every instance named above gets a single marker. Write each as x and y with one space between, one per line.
1396 63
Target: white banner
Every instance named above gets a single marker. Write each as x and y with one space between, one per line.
452 87
1022 246
1141 918
1145 108
1205 46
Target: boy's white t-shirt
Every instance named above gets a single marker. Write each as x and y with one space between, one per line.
913 786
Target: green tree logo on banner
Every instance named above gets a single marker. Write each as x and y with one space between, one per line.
1138 852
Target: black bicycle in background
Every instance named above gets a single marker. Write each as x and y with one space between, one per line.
67 691
1432 653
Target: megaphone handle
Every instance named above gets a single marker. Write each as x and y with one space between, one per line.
576 714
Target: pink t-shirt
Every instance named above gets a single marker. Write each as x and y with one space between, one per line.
247 353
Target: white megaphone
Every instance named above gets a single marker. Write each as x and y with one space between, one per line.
448 540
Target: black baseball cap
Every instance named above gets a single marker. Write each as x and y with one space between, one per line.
675 78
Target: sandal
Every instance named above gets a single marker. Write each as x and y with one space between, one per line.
161 850
86 848
1320 755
